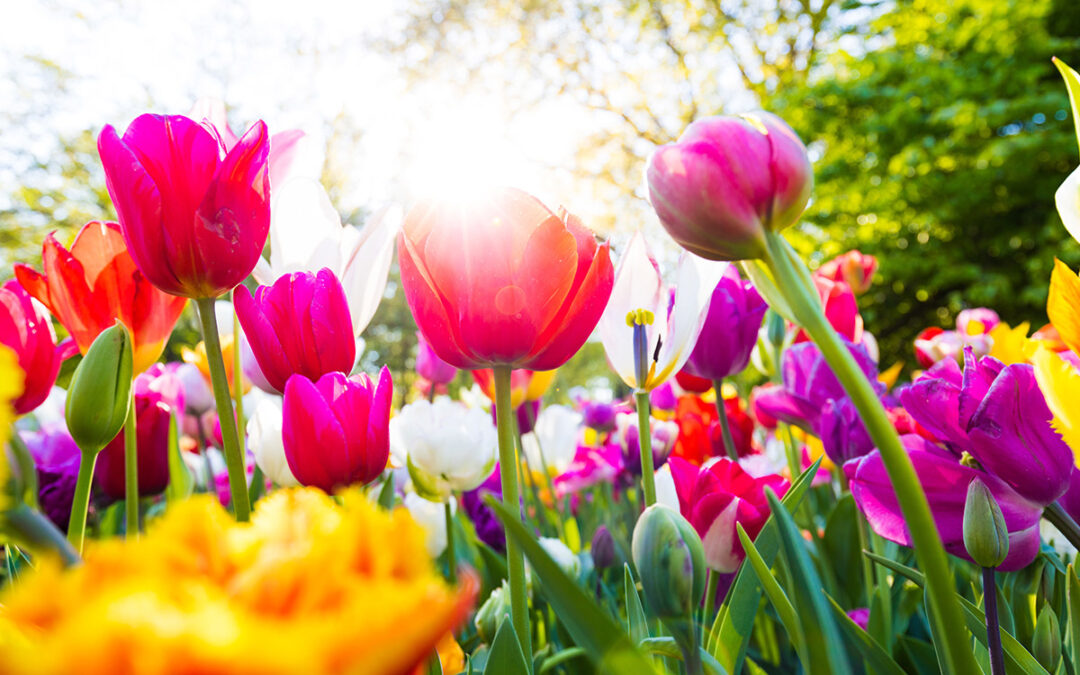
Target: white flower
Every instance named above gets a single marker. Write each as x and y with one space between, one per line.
306 235
562 555
669 336
474 397
265 442
446 445
555 437
666 493
431 516
1067 199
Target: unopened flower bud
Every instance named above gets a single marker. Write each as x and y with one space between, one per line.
100 391
603 550
491 613
671 561
1046 644
985 536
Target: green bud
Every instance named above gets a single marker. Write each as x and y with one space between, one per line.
491 613
776 328
985 535
100 391
1046 644
671 561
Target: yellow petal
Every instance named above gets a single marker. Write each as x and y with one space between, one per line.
1011 345
888 377
1060 385
1063 305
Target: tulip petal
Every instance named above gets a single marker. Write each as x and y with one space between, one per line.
1060 383
283 148
305 229
315 444
1063 304
430 310
1067 198
366 258
695 281
637 285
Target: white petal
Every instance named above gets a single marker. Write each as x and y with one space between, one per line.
695 281
305 229
366 264
637 286
1067 198
431 516
665 488
263 273
265 442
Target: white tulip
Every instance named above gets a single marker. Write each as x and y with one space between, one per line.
555 435
1067 199
446 445
265 442
431 516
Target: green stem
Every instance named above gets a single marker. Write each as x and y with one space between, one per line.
81 501
234 458
712 580
1064 523
238 369
508 466
725 427
648 479
451 556
37 533
131 472
794 282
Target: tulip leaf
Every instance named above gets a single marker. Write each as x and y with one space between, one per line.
386 494
823 644
875 655
667 647
780 602
258 485
434 664
1072 600
505 655
181 482
637 625
1072 84
734 622
558 658
761 276
603 640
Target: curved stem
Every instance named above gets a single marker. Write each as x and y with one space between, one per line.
993 628
81 501
725 426
451 557
238 369
234 458
648 478
131 472
508 466
794 282
1064 523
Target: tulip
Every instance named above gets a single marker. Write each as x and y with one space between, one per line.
692 383
490 615
25 328
842 432
973 327
335 430
602 549
194 222
718 495
726 181
306 235
488 528
430 516
663 398
100 391
647 336
265 442
1067 197
429 366
447 446
662 439
57 460
503 282
590 466
854 268
554 440
841 310
730 331
152 415
986 538
998 415
945 481
300 325
700 436
598 415
977 321
95 283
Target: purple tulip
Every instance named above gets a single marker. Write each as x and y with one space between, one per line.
663 398
730 329
945 481
598 415
57 460
488 529
300 325
842 432
429 366
996 414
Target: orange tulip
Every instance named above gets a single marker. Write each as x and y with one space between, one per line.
95 283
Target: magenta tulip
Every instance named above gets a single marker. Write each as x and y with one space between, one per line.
300 325
429 366
25 328
726 181
730 329
194 221
336 430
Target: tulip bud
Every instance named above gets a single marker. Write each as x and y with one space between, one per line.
985 536
603 550
100 391
491 613
1046 644
671 561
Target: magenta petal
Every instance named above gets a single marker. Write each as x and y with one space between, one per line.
263 338
978 376
935 404
314 441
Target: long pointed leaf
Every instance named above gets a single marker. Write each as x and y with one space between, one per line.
181 482
780 602
505 655
637 624
1072 595
875 655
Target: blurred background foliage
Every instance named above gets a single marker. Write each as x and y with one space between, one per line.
939 131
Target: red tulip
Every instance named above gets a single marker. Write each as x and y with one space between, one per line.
335 430
503 282
301 324
194 221
26 329
95 283
700 436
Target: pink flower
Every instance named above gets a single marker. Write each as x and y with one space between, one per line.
853 268
590 466
841 309
336 430
300 325
25 328
718 495
152 415
429 366
194 221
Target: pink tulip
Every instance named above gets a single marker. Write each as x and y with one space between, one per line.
152 415
300 325
194 221
429 366
726 181
718 495
854 268
841 309
25 328
336 430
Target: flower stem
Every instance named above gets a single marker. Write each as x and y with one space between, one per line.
81 501
712 580
508 467
234 459
131 472
993 629
648 479
1064 523
238 370
797 287
725 427
451 557
36 532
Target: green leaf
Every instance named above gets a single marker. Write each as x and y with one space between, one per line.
844 552
1072 600
780 602
734 622
637 625
505 655
258 485
669 648
823 644
434 665
1072 83
759 274
874 654
181 482
557 658
386 494
603 640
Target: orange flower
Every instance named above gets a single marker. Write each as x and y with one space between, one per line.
95 283
525 385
